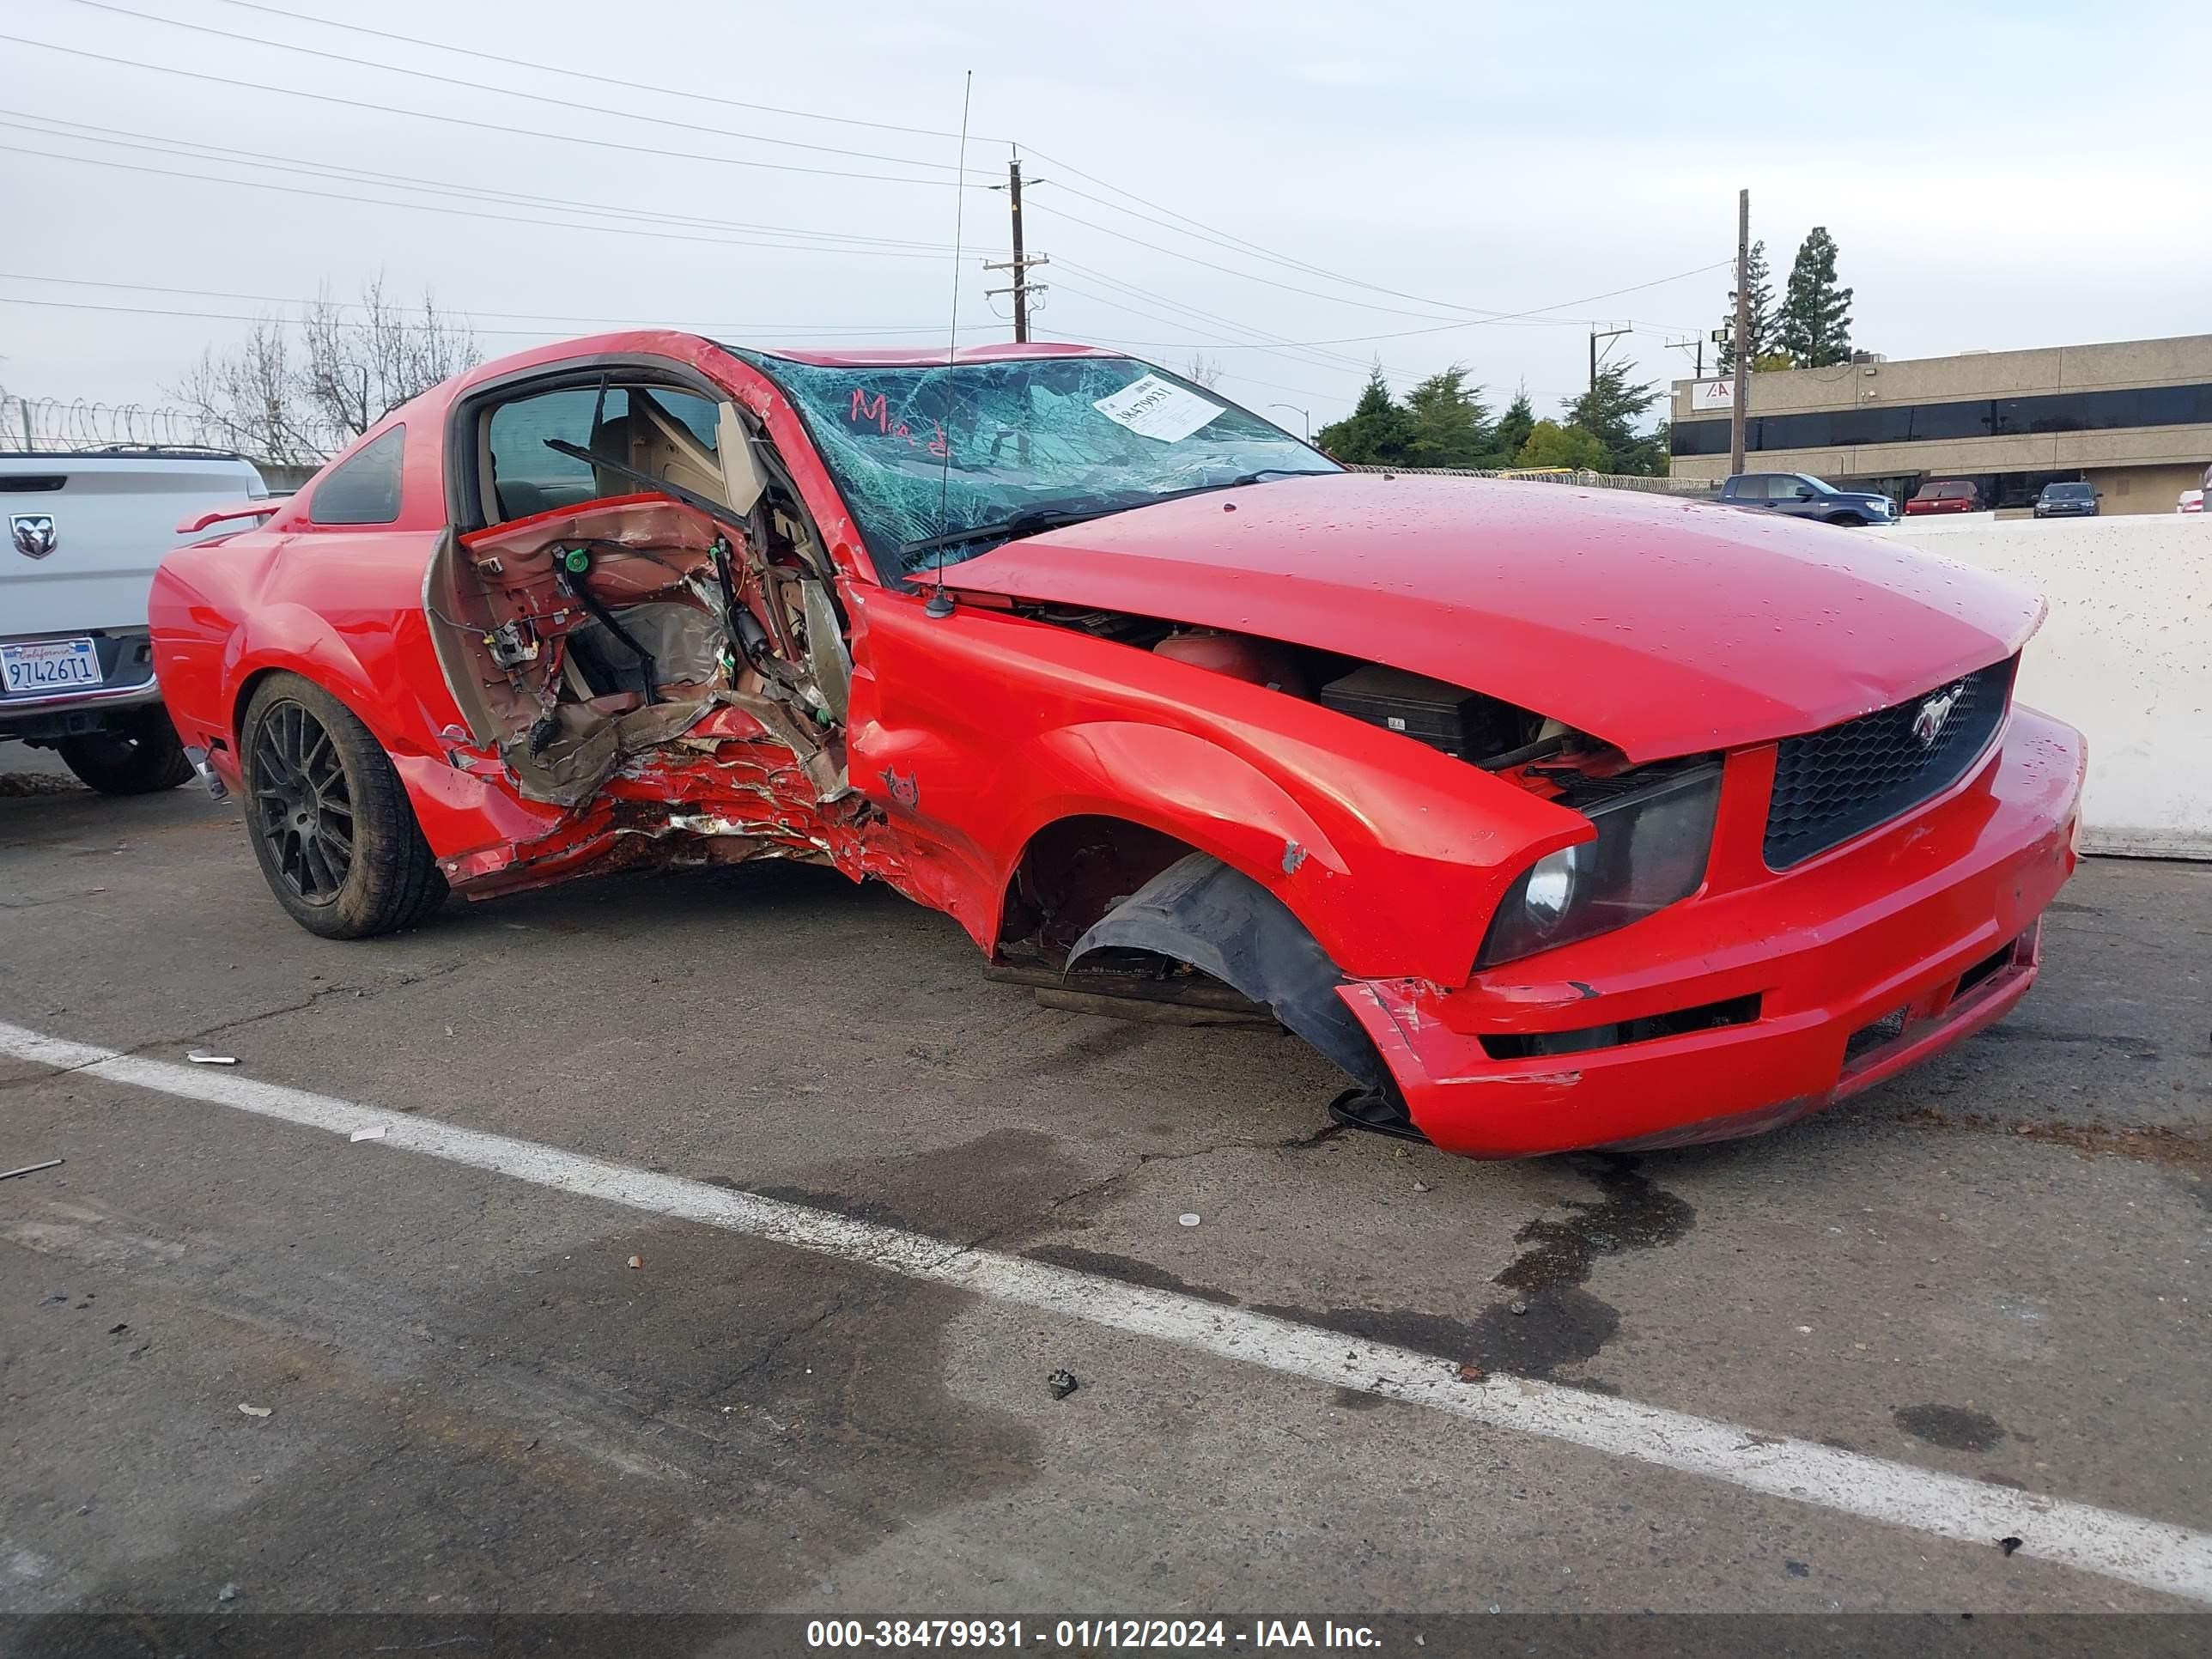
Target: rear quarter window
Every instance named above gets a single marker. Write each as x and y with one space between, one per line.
364 488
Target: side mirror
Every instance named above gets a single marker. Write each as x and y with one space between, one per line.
1802 493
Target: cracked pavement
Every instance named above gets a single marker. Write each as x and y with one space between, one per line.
1994 1268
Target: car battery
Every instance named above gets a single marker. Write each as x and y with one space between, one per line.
1447 717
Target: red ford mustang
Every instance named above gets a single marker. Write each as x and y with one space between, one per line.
1556 818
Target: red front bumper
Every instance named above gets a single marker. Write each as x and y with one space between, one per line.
1871 939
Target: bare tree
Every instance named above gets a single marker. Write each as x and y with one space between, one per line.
298 390
1205 370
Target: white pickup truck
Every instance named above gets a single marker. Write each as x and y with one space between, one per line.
84 533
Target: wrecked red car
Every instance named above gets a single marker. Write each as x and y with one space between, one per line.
1556 818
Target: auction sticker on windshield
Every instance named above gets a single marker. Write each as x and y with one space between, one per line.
1153 408
41 666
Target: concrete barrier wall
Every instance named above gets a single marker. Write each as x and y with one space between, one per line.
2126 655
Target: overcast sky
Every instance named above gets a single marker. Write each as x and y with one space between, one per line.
1997 176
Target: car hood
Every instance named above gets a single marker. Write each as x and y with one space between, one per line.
1664 627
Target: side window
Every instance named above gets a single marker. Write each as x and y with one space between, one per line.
364 488
658 430
1760 487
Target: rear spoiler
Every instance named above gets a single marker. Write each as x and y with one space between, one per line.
214 515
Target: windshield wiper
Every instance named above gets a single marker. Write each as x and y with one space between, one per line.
1056 518
1022 524
1238 482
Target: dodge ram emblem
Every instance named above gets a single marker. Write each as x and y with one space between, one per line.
1927 724
33 533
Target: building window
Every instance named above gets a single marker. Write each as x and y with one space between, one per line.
1977 417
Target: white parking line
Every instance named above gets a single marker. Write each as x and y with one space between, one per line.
2131 1548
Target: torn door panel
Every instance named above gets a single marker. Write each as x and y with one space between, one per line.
653 673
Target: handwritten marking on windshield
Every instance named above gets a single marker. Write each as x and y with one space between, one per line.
876 410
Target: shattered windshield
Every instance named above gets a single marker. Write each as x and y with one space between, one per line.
939 464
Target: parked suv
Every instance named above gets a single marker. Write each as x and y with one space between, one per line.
2067 501
84 533
1799 495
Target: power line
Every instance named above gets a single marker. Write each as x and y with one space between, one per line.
44 125
1121 285
1200 231
1473 322
1262 341
506 92
465 310
1188 226
1090 335
797 335
657 89
473 214
483 127
1231 373
1177 253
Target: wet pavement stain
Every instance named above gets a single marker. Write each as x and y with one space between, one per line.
736 1419
1952 1427
1422 1332
1352 1399
1088 1048
1560 1323
937 1192
1128 1269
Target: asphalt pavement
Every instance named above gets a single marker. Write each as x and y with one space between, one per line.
249 1367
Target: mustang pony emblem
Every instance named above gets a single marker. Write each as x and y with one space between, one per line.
33 533
1928 723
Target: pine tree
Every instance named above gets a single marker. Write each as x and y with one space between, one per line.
1610 412
1375 434
1514 426
1448 426
1759 282
1815 327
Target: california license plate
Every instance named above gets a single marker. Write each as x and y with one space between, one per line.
40 668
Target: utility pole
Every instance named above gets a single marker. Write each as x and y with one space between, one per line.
1596 335
1743 330
1020 263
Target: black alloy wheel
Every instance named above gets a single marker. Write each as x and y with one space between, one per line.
302 805
328 817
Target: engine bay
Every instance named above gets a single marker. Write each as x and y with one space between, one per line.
1540 754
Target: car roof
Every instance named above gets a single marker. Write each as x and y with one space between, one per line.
929 357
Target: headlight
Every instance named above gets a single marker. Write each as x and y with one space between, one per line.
1650 851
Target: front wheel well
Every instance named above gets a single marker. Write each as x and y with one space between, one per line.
1072 872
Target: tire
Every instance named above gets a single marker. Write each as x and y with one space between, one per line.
329 818
1847 518
140 755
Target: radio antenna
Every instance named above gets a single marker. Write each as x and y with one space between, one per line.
938 605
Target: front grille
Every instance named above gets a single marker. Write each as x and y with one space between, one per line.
1833 784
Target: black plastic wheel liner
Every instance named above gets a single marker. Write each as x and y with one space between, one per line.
1222 922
